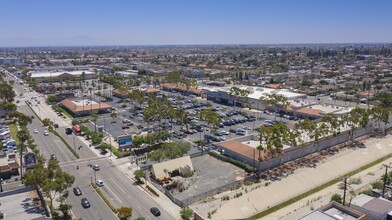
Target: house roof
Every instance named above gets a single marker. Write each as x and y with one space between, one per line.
80 108
243 149
310 111
160 170
380 206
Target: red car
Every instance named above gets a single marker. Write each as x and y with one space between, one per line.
189 132
125 126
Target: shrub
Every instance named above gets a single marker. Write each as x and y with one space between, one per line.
336 198
152 190
244 166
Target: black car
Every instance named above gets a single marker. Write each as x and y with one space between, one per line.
155 211
86 203
53 157
68 130
77 191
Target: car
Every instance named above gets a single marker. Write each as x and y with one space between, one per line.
126 121
99 183
32 117
155 211
85 203
53 157
46 133
360 145
189 132
232 130
68 131
77 191
240 132
35 131
96 167
125 126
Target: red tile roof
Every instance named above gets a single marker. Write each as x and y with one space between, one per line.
76 108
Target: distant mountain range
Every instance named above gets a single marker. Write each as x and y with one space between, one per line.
37 42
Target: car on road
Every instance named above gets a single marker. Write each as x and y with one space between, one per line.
53 157
155 211
96 167
85 203
125 126
99 183
77 191
35 131
46 133
68 131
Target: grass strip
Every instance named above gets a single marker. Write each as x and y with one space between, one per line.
65 142
58 135
62 110
152 190
317 189
14 132
104 198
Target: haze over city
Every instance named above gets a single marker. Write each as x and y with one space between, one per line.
154 22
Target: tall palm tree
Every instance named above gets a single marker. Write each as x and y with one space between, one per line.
22 135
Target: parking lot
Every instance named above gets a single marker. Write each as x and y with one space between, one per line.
210 174
236 121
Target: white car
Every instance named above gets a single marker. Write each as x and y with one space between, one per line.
46 133
99 183
35 131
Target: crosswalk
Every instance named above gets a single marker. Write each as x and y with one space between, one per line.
79 161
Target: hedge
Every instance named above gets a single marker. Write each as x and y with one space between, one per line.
152 190
65 142
104 198
237 163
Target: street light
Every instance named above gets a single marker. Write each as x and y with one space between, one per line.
385 180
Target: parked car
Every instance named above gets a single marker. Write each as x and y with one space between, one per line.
124 126
85 203
46 133
189 131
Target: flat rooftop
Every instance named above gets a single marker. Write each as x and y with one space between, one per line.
84 102
25 205
254 144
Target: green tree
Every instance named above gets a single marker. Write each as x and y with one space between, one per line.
52 99
124 213
139 174
277 101
113 115
170 150
94 116
51 179
20 118
47 122
22 135
186 213
337 198
235 92
7 107
6 92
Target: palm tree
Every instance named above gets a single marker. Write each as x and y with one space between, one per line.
22 135
113 115
94 116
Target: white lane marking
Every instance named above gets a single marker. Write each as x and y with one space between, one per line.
113 193
119 187
61 149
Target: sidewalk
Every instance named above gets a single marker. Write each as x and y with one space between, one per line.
258 198
126 167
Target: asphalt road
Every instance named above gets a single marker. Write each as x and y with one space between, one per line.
118 188
47 145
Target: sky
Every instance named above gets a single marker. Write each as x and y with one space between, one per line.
186 22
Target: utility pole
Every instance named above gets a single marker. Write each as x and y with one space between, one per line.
385 180
344 192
